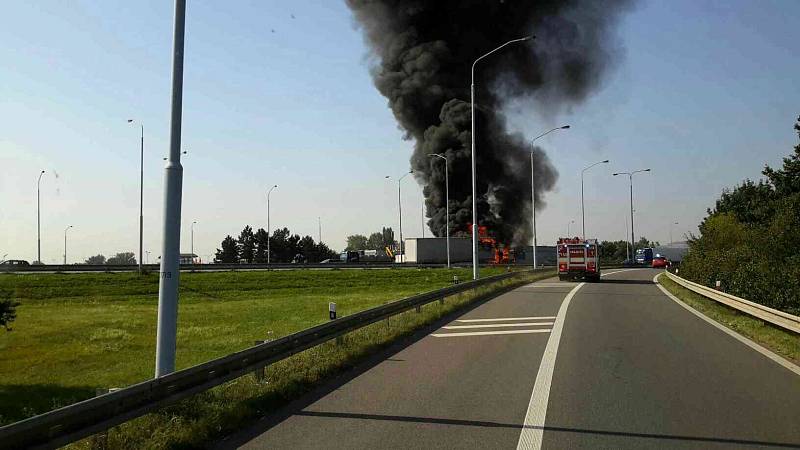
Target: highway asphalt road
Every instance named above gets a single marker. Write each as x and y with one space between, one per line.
555 365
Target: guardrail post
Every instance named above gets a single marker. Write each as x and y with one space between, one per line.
418 308
332 316
99 441
261 372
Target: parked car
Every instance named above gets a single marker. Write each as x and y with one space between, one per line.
660 262
12 264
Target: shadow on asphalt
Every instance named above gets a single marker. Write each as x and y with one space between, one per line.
487 424
611 281
296 407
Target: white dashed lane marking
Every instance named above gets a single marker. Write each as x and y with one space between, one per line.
503 319
498 325
489 333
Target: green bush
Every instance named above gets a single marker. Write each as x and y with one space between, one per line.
749 241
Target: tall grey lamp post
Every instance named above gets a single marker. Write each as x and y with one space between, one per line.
447 203
141 193
166 337
568 224
583 215
670 231
38 220
630 178
268 225
475 274
533 190
192 241
400 215
65 243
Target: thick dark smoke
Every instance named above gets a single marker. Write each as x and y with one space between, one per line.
424 51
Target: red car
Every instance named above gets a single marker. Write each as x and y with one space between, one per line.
660 262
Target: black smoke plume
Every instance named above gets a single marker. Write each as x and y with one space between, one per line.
424 51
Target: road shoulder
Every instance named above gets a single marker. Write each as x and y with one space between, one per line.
778 345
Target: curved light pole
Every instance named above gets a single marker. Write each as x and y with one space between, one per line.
400 215
474 188
583 215
268 229
670 231
447 203
630 178
166 336
568 224
38 220
141 194
533 190
192 241
65 244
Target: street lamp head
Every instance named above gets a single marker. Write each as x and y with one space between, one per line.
529 38
565 127
130 120
647 170
604 162
387 176
615 174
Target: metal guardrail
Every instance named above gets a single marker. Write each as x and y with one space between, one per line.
79 420
242 267
778 318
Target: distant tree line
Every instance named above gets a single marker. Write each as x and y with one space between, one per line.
124 258
378 240
615 252
749 240
284 247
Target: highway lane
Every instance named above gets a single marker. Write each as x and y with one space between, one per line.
631 369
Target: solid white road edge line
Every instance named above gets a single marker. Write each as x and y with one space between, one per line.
489 333
764 351
498 325
533 427
507 318
532 430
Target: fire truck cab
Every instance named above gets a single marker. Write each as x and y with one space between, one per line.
578 258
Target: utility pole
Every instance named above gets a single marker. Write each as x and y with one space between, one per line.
475 273
65 244
400 214
38 220
446 201
141 194
630 178
533 188
268 225
583 215
166 337
192 241
319 224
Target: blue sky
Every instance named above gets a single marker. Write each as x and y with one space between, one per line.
705 95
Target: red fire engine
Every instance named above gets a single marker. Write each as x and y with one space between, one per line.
578 258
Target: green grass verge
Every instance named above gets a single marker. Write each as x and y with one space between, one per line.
209 416
78 332
784 343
